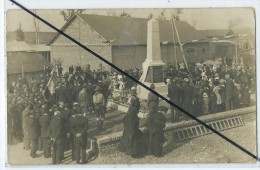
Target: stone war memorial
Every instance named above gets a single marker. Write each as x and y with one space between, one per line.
153 64
66 106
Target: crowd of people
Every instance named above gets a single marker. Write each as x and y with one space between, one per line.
200 89
204 89
51 111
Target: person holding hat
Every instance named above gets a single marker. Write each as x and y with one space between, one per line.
55 133
99 106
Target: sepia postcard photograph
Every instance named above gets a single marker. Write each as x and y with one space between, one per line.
131 86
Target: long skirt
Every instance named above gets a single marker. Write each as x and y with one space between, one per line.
136 146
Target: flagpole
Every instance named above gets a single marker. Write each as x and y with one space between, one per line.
22 72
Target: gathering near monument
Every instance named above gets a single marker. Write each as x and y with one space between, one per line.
50 113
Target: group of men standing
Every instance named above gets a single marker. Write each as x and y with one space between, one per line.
56 123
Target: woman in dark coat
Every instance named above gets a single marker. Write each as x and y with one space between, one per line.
132 142
155 124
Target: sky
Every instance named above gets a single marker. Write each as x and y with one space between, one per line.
207 18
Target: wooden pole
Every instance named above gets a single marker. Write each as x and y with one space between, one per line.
174 44
184 59
22 72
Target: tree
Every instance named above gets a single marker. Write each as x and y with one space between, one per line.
124 14
176 14
194 21
36 24
68 13
121 13
162 16
19 33
111 12
150 16
234 23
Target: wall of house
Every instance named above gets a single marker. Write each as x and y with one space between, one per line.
66 52
197 52
131 57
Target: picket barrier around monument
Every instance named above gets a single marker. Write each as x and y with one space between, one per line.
107 145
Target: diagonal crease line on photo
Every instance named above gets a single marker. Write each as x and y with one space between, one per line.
138 82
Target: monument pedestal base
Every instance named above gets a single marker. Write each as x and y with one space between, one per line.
160 88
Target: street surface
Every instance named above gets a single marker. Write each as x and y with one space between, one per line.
205 149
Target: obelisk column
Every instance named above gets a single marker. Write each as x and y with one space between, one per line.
153 43
153 65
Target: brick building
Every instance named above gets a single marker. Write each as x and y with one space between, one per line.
121 40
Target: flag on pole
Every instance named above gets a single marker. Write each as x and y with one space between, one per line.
51 85
49 90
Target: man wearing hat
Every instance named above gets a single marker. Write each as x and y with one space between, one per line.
229 92
174 93
82 98
55 133
32 128
187 96
99 106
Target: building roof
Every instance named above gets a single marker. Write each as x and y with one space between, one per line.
214 41
131 31
15 46
202 34
30 62
29 37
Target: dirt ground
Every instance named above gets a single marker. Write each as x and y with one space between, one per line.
205 149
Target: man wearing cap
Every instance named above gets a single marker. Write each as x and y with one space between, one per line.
25 114
79 129
99 106
55 133
75 110
44 121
